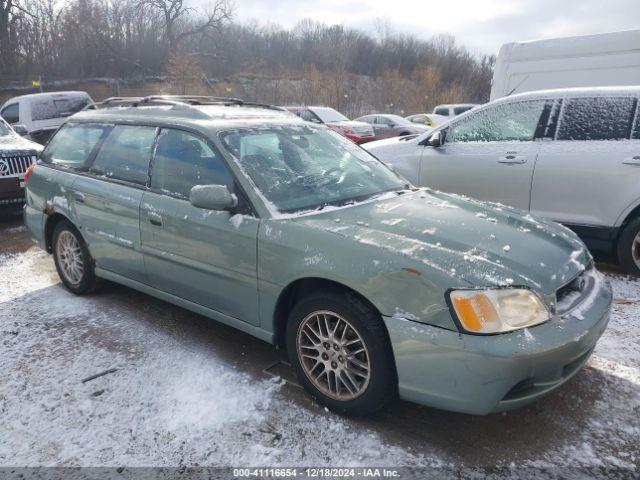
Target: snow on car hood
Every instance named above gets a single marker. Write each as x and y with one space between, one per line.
13 142
483 244
372 146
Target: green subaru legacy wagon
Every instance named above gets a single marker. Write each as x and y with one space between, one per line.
291 233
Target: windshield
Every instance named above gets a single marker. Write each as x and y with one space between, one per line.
328 115
4 129
307 167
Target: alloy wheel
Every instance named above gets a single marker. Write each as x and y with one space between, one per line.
69 255
333 355
635 250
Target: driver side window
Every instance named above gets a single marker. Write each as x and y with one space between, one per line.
513 122
183 160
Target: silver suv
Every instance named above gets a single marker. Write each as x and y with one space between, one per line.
571 155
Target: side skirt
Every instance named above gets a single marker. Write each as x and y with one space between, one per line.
194 307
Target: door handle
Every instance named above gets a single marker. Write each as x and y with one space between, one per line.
155 219
79 197
632 160
512 159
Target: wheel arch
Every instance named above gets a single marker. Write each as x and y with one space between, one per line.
50 225
633 213
298 289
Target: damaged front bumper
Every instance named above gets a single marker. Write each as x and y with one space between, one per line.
483 374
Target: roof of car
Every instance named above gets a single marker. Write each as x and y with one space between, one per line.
49 94
215 112
577 91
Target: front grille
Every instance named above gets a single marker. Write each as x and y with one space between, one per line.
13 163
571 295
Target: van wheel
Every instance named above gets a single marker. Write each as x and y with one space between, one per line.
340 352
629 247
73 260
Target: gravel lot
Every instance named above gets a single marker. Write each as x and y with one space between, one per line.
189 391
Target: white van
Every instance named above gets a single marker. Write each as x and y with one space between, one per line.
584 61
38 115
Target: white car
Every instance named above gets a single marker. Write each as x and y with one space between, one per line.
570 155
454 109
38 115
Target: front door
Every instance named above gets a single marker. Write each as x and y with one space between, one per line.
489 155
204 256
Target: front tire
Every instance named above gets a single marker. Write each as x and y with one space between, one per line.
629 247
73 260
339 349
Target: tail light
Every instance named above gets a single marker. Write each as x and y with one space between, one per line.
28 172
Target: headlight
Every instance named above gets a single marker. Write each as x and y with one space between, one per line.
497 310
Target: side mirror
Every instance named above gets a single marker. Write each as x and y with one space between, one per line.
20 130
434 140
212 197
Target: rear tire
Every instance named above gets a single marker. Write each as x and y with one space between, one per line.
73 260
340 351
629 247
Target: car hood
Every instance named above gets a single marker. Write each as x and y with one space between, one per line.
11 143
387 142
485 245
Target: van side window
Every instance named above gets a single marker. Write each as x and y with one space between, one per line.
73 145
183 160
596 118
125 154
442 111
511 122
11 113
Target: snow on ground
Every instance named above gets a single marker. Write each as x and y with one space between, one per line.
176 399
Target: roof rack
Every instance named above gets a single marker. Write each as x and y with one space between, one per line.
179 100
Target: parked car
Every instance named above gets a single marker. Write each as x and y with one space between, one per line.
291 233
545 153
429 119
358 132
37 116
583 61
453 110
387 126
16 155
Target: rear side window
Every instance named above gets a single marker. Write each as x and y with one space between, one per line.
10 113
72 146
511 122
596 118
309 116
125 154
183 161
442 111
49 108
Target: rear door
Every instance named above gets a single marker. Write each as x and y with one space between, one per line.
107 199
204 256
590 173
488 155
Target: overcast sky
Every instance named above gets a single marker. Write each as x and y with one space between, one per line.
481 25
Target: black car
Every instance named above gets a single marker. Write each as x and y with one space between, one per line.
16 155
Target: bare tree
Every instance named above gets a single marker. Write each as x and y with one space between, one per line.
179 22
